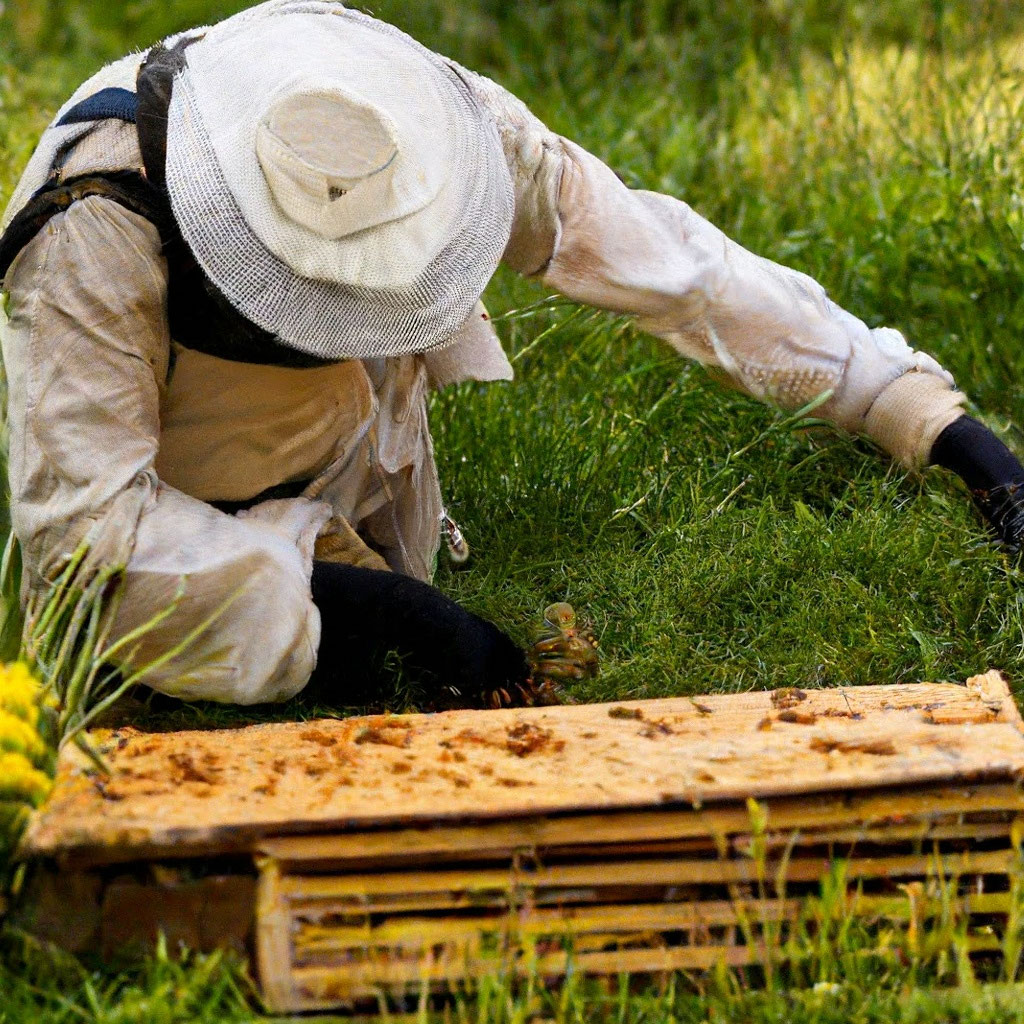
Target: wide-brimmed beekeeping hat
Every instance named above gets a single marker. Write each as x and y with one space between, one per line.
337 181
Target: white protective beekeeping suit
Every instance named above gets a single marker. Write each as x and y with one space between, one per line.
121 435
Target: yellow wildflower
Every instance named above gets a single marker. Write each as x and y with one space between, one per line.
21 780
23 751
19 692
19 737
24 756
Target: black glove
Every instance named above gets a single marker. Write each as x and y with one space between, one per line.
366 613
992 472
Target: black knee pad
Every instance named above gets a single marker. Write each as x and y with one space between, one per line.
366 613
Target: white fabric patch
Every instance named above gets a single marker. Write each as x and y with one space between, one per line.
333 163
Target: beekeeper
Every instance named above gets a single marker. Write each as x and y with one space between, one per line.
236 264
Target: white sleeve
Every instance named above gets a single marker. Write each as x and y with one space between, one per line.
772 329
86 350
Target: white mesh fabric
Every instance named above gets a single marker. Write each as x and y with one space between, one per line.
237 72
403 286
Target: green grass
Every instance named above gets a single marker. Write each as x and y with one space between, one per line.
715 544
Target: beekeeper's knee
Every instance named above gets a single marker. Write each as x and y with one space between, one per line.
244 636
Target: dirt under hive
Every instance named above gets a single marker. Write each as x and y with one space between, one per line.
401 851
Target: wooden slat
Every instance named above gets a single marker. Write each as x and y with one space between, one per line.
639 873
307 854
858 809
874 809
273 938
919 831
312 938
496 901
326 987
174 794
405 903
629 918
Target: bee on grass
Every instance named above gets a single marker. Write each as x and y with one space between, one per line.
565 650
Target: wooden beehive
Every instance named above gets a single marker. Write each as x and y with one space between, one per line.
399 852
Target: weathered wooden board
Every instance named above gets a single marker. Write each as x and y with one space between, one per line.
336 925
404 854
176 794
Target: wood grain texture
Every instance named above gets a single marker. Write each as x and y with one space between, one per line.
406 854
174 794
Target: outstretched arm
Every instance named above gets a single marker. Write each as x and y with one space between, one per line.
773 330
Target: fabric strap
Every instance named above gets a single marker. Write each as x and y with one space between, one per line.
154 85
127 188
200 316
110 102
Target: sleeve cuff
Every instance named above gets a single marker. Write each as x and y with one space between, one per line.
910 413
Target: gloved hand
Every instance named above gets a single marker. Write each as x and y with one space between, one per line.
365 613
992 472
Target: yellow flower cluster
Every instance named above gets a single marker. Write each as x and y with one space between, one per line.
20 781
23 751
18 737
19 692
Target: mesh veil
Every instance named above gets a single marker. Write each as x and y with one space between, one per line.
329 317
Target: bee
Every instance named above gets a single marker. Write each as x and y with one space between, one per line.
564 649
458 547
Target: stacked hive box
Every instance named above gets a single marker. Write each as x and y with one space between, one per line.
405 851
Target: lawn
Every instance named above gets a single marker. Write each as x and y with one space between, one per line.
715 544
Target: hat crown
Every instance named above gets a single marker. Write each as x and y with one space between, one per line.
338 183
334 133
328 156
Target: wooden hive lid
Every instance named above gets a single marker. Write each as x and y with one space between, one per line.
179 794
